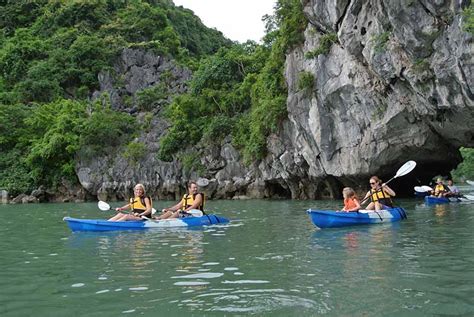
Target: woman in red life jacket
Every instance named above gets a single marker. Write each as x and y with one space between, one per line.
351 202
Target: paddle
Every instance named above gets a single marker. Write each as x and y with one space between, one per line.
192 212
402 171
104 207
423 189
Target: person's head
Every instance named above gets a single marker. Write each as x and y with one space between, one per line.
192 187
450 182
439 180
348 192
139 190
374 182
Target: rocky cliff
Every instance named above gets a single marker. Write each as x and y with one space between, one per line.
385 82
395 85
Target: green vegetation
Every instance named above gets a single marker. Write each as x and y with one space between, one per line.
468 18
14 174
380 41
147 99
240 90
134 152
40 141
421 65
55 49
465 170
191 162
51 53
325 43
305 81
379 111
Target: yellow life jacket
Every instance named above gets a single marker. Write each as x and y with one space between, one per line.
440 188
381 196
138 204
188 201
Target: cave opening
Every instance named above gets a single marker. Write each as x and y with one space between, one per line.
329 188
277 191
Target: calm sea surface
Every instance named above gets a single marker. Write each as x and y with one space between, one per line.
270 260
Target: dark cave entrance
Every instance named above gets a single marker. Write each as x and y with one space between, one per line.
329 188
276 191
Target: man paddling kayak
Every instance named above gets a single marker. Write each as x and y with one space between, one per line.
453 191
191 202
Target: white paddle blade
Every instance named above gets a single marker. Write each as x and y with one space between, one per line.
419 189
153 211
405 169
470 183
470 197
196 212
423 189
103 205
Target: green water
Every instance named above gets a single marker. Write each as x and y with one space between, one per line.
270 260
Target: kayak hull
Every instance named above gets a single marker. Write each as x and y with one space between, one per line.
76 224
430 200
334 219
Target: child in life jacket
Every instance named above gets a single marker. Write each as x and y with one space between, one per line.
351 202
440 189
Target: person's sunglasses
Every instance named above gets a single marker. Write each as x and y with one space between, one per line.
372 183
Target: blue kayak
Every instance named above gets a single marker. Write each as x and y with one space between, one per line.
334 219
430 200
76 224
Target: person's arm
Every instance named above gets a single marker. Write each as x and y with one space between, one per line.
196 203
388 190
127 206
174 208
366 196
344 208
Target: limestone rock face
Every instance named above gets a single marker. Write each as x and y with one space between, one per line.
137 70
396 85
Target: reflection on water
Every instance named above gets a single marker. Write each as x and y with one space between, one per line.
269 260
440 210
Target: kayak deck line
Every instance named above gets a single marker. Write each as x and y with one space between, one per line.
77 224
